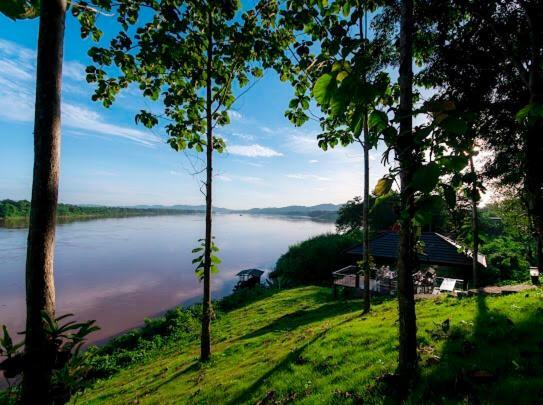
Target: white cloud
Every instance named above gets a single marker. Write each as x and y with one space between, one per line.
312 161
73 70
234 115
222 177
246 137
253 151
17 74
305 176
249 179
82 118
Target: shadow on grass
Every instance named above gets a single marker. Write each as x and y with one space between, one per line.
283 365
193 367
296 319
494 360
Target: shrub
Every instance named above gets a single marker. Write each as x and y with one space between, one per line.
507 260
314 260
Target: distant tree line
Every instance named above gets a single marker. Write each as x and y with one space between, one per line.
21 209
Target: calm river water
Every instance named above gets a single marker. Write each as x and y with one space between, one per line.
121 270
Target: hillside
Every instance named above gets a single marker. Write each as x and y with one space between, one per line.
21 209
300 345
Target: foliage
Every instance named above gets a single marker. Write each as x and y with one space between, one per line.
64 342
167 59
178 325
507 260
383 214
314 260
301 346
20 9
199 260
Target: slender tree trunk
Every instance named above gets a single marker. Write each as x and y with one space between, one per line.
365 220
408 160
366 201
474 225
40 285
206 316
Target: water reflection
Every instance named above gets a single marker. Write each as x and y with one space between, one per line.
121 270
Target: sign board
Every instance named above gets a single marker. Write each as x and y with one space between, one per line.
447 284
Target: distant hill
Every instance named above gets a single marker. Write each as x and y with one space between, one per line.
21 209
295 209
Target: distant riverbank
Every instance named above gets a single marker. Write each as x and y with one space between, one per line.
13 213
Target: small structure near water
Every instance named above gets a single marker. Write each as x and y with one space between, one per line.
248 278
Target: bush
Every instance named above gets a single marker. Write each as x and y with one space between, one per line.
507 260
314 260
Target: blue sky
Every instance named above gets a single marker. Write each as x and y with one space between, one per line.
108 159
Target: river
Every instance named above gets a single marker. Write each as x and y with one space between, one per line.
122 270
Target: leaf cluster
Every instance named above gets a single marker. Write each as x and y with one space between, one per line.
164 49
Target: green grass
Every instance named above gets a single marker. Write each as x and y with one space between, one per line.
300 345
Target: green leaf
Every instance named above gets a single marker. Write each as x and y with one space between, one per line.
324 89
383 186
342 75
454 125
530 111
378 121
426 177
454 163
20 9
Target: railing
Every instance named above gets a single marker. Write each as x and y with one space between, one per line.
345 278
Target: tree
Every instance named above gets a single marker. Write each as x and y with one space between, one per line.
189 56
382 214
335 61
40 286
408 158
498 44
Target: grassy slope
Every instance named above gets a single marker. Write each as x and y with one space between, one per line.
301 345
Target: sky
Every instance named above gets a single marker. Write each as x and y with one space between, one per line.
107 159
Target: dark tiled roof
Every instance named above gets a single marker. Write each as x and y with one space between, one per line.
251 272
438 249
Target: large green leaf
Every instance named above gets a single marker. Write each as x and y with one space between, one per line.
324 89
383 187
426 177
378 121
532 110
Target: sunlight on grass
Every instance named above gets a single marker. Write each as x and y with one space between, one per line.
300 345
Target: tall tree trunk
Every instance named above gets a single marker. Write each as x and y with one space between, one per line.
474 225
40 285
205 350
365 220
366 200
408 160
